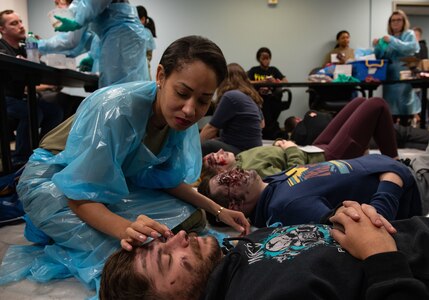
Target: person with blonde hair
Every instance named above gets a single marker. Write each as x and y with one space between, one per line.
400 42
238 116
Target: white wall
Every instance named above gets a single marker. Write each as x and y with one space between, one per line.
298 32
20 6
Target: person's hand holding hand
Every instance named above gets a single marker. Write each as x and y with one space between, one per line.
386 38
270 79
142 228
235 219
352 208
361 238
67 24
264 90
284 144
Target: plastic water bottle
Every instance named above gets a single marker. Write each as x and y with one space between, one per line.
32 48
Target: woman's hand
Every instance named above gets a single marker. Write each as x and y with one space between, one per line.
374 42
235 219
386 38
142 228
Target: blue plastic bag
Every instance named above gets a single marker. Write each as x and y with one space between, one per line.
11 210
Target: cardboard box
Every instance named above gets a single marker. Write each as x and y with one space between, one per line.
342 69
424 65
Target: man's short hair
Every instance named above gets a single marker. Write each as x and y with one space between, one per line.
120 279
204 189
4 12
419 29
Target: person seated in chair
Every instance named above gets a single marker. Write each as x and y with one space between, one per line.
353 257
49 114
237 117
273 104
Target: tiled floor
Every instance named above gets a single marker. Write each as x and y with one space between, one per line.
69 289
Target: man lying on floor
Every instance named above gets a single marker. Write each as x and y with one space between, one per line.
311 193
295 262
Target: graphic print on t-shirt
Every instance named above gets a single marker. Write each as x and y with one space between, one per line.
286 243
302 173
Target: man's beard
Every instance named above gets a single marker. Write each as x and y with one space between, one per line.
213 256
205 266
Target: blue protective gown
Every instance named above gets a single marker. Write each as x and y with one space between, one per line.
68 43
104 161
124 40
72 43
401 98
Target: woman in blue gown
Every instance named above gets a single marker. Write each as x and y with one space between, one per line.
131 153
123 39
400 42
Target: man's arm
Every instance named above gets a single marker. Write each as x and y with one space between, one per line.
387 271
293 155
385 200
389 192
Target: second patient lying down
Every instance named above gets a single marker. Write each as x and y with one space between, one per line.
311 193
347 136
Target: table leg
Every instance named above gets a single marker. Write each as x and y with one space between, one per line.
32 115
4 130
424 100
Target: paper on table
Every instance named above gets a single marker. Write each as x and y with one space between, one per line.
343 69
311 149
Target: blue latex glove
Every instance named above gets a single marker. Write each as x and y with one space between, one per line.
67 24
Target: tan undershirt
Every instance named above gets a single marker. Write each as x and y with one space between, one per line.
55 140
155 137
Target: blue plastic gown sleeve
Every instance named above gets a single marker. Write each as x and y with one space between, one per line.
407 45
88 10
68 43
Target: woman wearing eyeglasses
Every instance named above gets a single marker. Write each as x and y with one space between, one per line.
400 42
